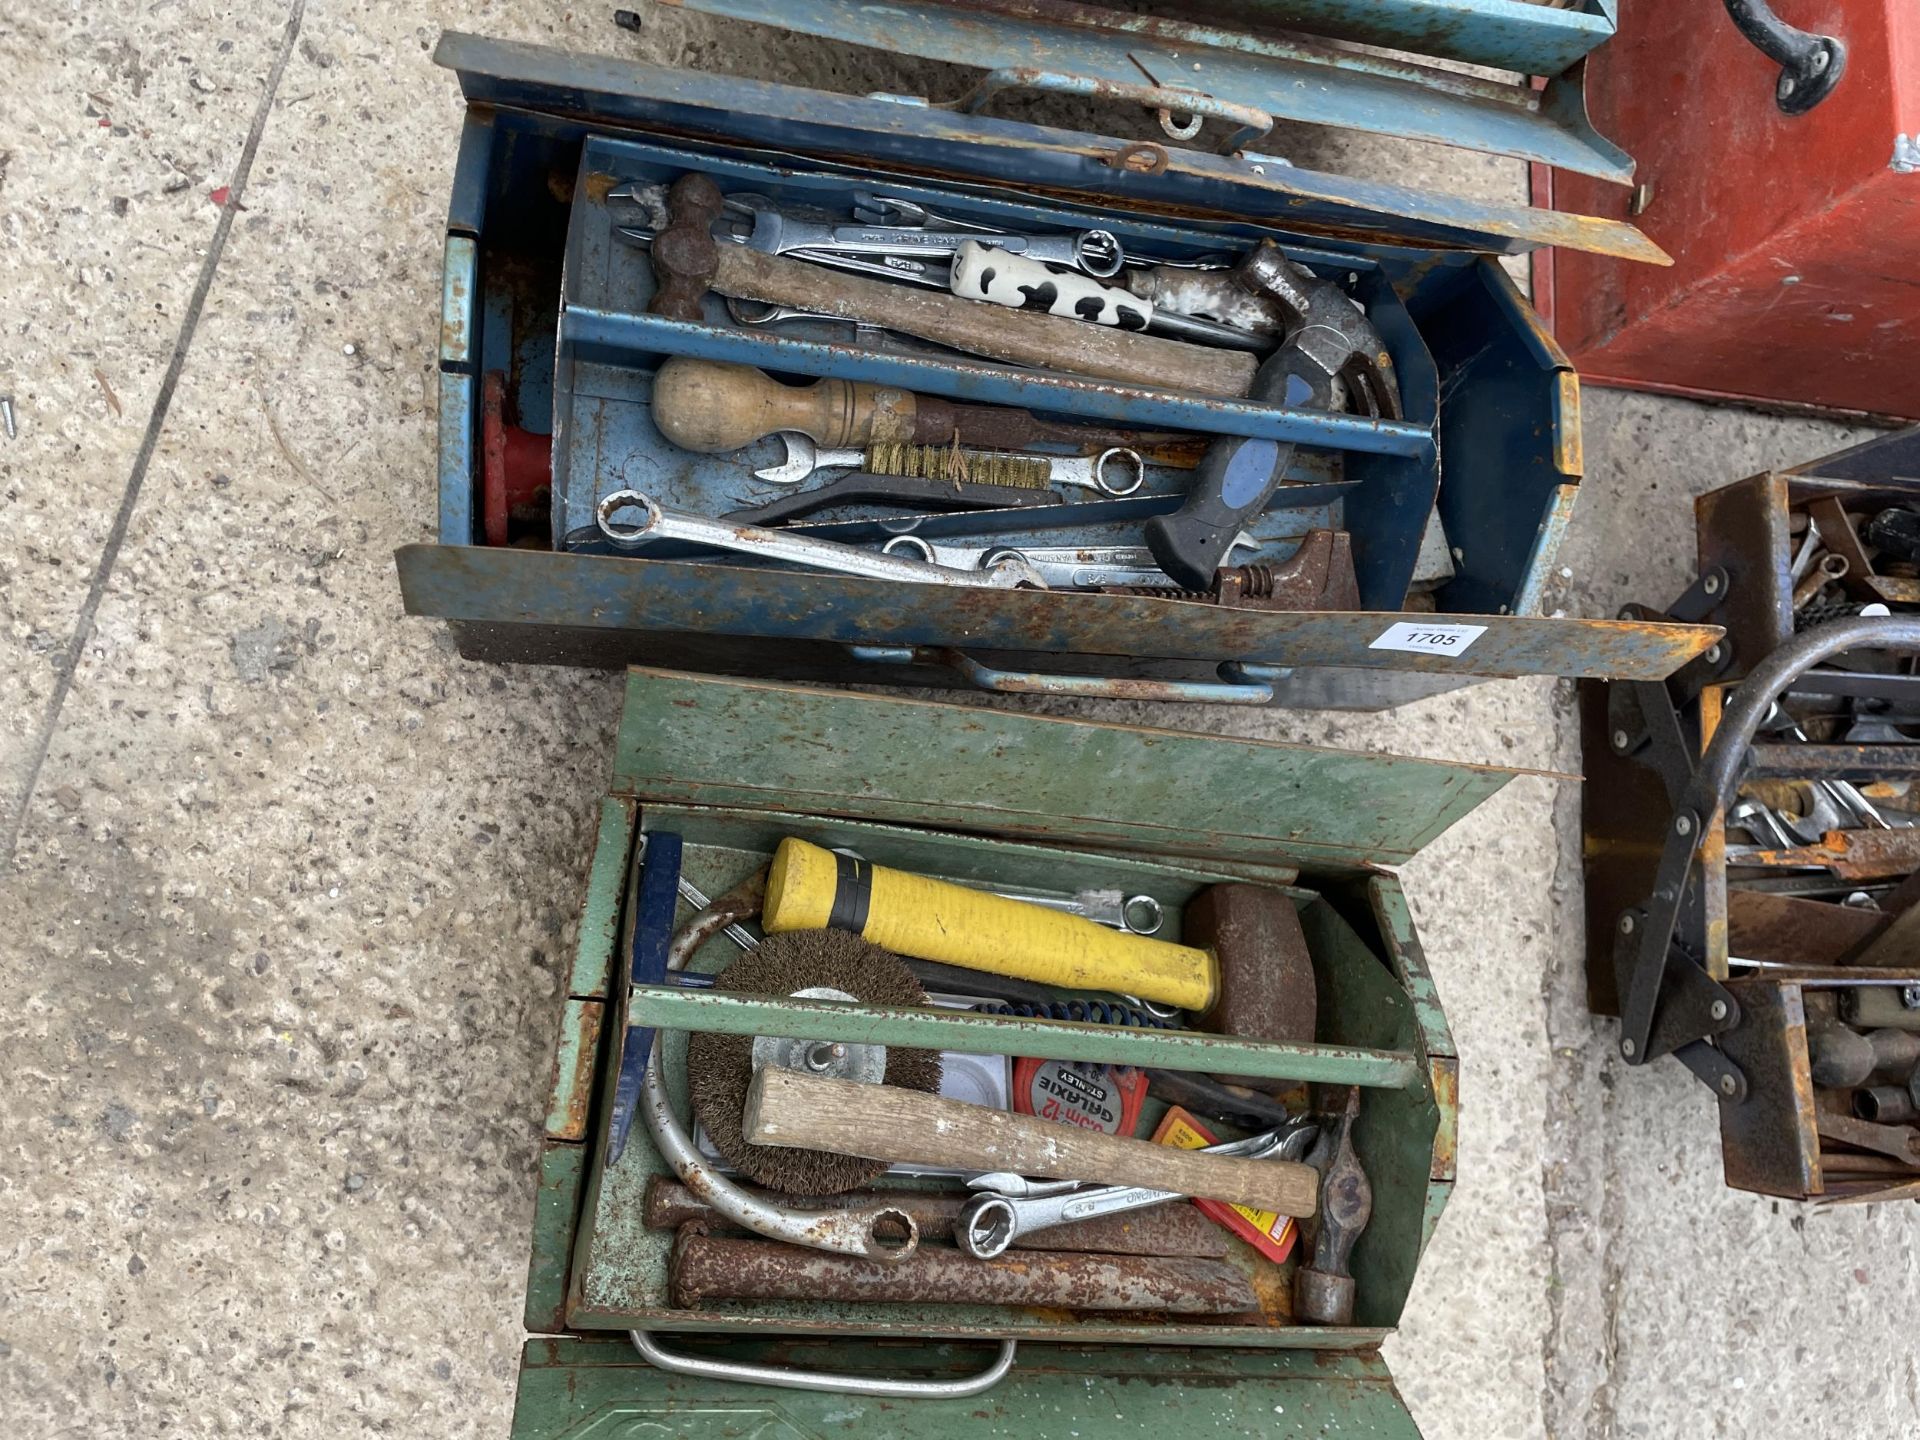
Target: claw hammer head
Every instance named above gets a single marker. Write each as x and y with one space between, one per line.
1325 329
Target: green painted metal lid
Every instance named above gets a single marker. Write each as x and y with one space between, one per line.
707 740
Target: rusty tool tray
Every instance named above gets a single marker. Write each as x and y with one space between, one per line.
538 291
1799 956
1049 805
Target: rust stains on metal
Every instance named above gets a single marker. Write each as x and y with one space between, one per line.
1768 1142
1789 930
1142 157
458 270
1569 453
1900 1142
599 185
1444 1075
1849 854
706 1267
570 1091
1267 989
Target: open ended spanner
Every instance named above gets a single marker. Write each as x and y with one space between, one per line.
1012 1205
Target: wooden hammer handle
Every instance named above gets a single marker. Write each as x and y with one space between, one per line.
882 1122
1024 337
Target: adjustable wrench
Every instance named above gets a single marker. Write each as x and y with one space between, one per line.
1011 1205
1086 472
657 523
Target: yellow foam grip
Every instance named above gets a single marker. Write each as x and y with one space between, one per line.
933 920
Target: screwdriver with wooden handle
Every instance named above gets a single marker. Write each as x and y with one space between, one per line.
797 1110
709 407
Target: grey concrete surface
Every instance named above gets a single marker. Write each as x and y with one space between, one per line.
290 886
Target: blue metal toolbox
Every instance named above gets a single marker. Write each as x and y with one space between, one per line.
1455 508
706 771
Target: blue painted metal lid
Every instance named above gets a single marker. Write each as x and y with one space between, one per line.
1007 156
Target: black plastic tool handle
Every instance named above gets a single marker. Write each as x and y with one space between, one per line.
858 487
1235 478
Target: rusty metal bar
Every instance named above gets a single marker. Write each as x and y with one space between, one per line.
1831 762
1858 684
707 1267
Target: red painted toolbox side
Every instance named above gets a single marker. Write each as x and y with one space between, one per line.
1796 240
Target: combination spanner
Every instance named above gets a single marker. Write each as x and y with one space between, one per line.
1064 567
1096 252
1013 1205
657 523
1086 472
1139 914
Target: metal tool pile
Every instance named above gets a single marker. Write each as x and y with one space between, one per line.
1002 1180
908 280
1775 947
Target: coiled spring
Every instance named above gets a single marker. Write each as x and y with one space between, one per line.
1091 1012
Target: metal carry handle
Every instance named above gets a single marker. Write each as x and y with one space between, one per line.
1081 687
1645 958
1249 122
1810 65
702 1368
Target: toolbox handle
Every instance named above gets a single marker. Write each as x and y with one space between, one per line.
703 1368
1250 122
1255 689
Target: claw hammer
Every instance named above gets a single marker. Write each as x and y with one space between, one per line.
1332 358
688 262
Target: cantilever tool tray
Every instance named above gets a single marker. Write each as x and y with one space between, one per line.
749 387
1448 511
995 801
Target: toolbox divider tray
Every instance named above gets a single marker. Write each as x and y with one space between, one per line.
796 124
1077 48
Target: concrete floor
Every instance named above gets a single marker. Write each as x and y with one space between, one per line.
290 885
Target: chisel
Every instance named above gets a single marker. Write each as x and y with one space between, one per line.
654 905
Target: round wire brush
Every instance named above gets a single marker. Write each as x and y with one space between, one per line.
827 964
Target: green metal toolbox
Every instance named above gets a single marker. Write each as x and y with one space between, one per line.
988 798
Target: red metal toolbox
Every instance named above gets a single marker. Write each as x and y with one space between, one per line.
1795 238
